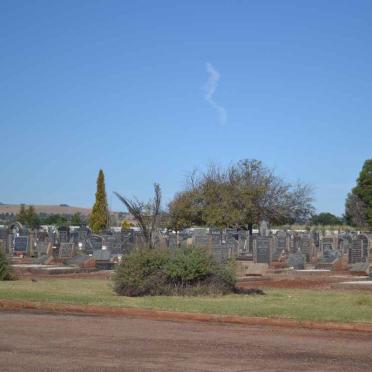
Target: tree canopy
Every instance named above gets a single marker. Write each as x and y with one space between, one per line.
358 206
239 196
326 218
28 217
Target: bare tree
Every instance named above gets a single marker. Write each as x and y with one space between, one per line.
147 215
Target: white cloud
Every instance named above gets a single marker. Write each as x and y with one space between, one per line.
210 88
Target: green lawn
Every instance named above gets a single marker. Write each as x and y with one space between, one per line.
316 305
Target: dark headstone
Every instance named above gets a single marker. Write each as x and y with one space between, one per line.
102 255
66 250
263 250
63 236
21 244
96 242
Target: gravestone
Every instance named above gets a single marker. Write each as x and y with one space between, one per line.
20 244
264 228
113 243
360 249
295 243
281 241
102 255
42 248
42 236
262 250
327 243
251 241
306 246
82 234
356 251
96 242
172 241
244 251
3 233
201 240
66 250
297 261
316 238
4 239
63 235
216 238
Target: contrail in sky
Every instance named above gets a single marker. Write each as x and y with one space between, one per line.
210 88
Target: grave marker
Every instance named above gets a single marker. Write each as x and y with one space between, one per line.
66 250
21 244
262 250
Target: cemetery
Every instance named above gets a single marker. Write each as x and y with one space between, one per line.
267 257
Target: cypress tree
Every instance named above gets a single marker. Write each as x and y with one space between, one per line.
99 218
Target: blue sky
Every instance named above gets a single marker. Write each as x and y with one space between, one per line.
149 90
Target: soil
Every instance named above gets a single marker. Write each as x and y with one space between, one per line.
44 342
301 281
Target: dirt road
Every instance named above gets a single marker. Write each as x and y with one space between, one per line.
44 342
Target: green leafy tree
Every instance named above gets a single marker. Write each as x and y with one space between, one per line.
363 191
56 220
99 219
326 218
76 219
28 217
22 215
240 196
32 218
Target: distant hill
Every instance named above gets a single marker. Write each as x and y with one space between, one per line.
47 209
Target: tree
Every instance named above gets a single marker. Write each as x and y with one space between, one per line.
126 225
363 191
185 210
22 215
354 211
33 220
56 220
76 219
147 215
326 218
99 219
28 217
240 196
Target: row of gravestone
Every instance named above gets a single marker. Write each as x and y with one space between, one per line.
37 243
265 249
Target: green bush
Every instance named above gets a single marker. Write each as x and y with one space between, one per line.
6 273
190 271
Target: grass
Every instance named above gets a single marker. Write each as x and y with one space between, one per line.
299 304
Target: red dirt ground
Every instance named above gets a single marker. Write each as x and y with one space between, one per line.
41 342
293 280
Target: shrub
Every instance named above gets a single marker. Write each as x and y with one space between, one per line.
141 273
6 272
190 271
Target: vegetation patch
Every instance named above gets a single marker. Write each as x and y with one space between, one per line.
298 304
6 272
190 271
